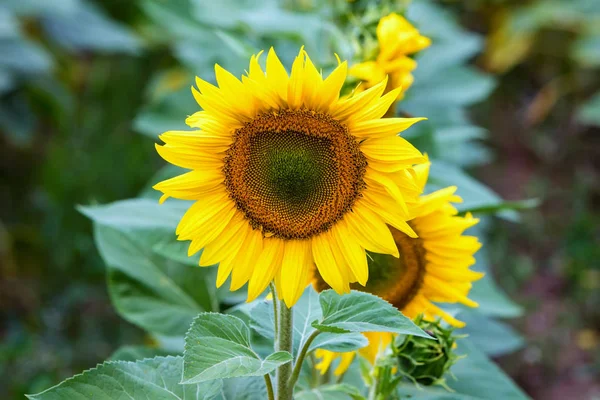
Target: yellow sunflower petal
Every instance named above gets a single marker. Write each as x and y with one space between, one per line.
295 270
267 265
370 230
246 259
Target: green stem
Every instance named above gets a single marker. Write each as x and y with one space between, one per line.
284 343
275 311
269 387
300 359
373 391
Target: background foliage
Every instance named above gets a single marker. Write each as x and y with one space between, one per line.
511 91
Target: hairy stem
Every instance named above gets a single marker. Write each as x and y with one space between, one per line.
275 311
284 343
269 387
300 359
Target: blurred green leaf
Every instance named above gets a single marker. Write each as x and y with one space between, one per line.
17 119
9 26
492 337
589 112
23 57
218 346
479 377
86 28
156 378
38 7
474 193
138 214
166 114
492 301
457 85
586 50
155 293
330 392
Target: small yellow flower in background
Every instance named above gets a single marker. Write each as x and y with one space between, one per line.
397 39
285 175
431 268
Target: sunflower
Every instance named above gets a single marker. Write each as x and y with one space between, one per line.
431 268
285 175
397 39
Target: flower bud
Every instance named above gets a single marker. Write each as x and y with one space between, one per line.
426 361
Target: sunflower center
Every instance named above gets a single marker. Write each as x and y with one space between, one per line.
396 280
294 173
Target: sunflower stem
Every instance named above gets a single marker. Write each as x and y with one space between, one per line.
269 387
300 359
284 343
275 311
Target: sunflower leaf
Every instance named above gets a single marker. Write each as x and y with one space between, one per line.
342 391
306 312
154 378
217 346
362 312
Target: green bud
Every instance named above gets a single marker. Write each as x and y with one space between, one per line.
425 361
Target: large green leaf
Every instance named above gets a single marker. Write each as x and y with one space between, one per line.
152 223
306 310
477 376
138 213
151 379
218 346
245 388
135 353
492 337
153 292
474 193
474 377
362 312
493 302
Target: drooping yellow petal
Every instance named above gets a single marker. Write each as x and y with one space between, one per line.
246 259
370 230
326 263
295 270
267 265
229 241
353 253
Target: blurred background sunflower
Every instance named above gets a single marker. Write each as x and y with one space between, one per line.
511 90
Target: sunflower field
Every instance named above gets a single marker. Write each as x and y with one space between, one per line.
299 199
